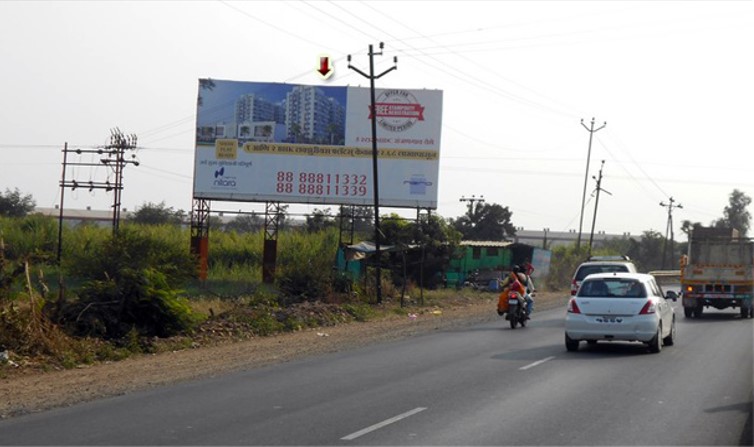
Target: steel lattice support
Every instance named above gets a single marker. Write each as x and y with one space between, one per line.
347 217
200 234
272 218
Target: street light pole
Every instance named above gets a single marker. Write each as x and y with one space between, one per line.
372 77
591 131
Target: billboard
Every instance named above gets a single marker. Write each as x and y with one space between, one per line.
313 144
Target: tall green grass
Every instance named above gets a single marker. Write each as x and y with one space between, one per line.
304 268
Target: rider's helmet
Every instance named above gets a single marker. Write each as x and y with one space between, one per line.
516 268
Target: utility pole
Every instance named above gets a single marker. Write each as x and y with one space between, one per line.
596 204
114 156
116 150
591 131
372 77
669 229
471 201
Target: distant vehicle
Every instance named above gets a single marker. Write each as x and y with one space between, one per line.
601 264
717 271
620 306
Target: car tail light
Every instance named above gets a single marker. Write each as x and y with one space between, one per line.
648 308
574 287
573 308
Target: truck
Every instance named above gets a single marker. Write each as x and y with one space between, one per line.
717 271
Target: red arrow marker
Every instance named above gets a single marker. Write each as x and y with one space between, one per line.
325 70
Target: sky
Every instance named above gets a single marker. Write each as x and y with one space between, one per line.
669 84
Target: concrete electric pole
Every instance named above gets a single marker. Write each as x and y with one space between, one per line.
372 77
669 229
591 131
596 204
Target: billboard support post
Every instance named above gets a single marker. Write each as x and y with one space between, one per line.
272 217
371 76
199 245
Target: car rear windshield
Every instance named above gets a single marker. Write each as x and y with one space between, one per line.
612 288
587 270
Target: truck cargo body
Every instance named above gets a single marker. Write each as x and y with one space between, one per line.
718 272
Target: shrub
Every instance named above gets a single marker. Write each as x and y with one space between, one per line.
137 299
30 236
130 281
133 248
564 262
306 265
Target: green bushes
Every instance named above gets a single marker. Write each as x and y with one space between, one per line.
33 235
133 248
305 266
565 261
137 299
131 282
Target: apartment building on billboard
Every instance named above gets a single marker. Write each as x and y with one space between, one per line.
258 119
219 130
305 115
313 117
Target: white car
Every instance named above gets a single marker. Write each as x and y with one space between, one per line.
620 307
600 264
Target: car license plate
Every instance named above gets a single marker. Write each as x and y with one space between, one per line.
609 319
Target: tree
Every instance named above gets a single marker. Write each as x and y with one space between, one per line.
295 130
735 214
433 241
13 204
332 130
688 227
245 223
157 214
485 222
647 253
319 220
204 84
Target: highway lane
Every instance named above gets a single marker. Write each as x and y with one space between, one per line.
481 385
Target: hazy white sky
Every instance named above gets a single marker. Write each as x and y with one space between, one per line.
673 80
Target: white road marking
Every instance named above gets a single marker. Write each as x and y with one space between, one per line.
374 427
538 362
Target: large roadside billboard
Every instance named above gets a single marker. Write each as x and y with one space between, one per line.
313 144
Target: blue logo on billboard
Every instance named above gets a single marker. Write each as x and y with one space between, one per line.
417 185
223 181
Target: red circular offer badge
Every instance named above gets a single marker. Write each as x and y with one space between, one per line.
398 110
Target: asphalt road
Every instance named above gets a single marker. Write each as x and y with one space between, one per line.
482 385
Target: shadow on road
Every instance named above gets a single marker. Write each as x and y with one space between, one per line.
747 437
714 317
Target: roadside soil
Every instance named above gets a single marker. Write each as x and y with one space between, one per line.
33 391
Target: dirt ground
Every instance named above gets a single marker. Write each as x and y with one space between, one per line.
37 391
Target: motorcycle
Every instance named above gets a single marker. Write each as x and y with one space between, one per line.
517 313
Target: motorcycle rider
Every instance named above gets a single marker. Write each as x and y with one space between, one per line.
518 281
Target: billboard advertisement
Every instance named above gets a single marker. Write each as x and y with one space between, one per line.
313 144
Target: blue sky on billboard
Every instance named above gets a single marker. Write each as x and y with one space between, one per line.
226 92
673 81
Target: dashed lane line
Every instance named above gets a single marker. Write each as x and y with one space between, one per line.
377 426
538 362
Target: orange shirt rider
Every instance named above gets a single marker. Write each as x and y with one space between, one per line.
512 283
